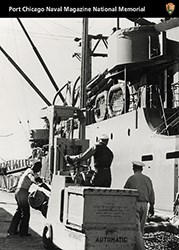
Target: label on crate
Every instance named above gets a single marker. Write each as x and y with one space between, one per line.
116 239
111 239
110 210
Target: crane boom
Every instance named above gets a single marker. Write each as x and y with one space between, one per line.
25 76
41 61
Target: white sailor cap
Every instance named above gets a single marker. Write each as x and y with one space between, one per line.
104 137
138 163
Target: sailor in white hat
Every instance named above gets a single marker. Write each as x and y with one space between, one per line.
138 163
144 186
103 158
104 137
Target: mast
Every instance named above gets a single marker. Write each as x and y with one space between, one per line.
85 72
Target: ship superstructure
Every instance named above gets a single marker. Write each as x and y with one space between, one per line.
136 102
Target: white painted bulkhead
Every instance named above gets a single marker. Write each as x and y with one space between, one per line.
130 141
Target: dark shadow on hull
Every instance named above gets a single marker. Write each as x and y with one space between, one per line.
168 125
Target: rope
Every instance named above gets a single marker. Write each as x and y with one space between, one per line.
163 112
172 122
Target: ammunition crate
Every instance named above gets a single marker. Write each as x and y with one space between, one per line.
88 208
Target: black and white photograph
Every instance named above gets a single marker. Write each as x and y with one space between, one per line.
89 128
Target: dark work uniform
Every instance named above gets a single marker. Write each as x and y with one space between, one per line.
103 158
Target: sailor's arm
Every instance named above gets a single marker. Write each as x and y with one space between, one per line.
82 157
128 183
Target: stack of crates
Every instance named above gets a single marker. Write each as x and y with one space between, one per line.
106 216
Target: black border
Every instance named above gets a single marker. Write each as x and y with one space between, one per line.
153 8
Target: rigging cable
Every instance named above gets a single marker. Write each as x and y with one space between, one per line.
4 86
41 60
163 112
59 91
172 123
64 45
22 86
62 26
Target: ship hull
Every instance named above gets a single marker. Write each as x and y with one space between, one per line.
131 139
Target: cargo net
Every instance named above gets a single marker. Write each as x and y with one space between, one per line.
161 234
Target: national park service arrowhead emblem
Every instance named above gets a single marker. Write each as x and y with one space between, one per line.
170 7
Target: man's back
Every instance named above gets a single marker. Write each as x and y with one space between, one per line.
144 186
103 156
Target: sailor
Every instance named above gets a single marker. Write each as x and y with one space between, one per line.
144 186
22 215
103 158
